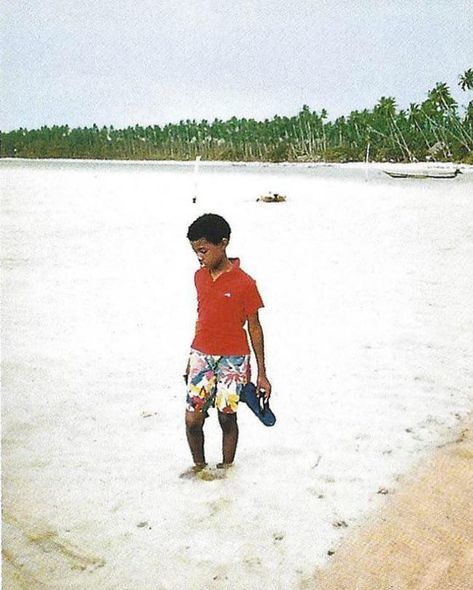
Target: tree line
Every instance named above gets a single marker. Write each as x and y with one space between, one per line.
435 129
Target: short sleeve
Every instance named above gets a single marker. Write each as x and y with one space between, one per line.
253 300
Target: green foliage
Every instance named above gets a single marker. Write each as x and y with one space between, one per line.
466 80
432 130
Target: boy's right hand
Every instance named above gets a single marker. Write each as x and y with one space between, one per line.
263 386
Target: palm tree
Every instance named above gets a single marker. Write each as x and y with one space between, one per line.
386 106
466 80
418 126
441 98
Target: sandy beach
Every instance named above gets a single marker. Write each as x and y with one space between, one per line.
367 283
422 539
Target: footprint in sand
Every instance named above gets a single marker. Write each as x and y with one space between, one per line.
37 557
206 474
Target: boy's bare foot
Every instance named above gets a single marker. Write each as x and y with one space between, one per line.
224 465
198 467
194 470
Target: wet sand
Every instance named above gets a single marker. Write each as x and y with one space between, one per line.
422 540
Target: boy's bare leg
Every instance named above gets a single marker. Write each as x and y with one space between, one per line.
229 425
195 436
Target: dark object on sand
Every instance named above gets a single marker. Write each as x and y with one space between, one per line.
272 198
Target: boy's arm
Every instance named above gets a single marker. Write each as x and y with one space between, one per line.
257 341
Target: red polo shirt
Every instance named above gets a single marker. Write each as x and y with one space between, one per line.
223 306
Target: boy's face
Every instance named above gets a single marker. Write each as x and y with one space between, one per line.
210 255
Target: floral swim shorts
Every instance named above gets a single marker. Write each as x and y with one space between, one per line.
216 380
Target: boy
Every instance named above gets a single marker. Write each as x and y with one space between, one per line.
219 362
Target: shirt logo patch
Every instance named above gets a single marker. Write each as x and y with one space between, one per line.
227 294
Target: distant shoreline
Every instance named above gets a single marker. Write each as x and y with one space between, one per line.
435 129
253 163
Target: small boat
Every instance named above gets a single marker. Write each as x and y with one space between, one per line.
272 198
439 173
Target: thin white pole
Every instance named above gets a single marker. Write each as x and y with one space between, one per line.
196 178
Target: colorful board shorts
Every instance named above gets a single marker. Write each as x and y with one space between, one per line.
216 380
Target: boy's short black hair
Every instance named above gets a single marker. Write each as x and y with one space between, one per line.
211 227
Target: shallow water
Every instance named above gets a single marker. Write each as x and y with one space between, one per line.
367 283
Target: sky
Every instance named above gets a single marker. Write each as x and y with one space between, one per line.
127 62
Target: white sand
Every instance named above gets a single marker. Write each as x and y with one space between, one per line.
367 282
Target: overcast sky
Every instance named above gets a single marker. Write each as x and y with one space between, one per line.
123 62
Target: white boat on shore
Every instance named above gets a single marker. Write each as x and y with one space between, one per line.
431 173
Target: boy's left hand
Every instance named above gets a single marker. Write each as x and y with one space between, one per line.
263 386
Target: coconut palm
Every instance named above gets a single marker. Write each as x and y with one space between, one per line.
309 135
466 80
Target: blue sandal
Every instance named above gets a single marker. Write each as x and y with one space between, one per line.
257 404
